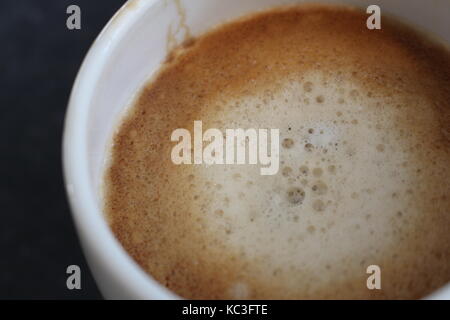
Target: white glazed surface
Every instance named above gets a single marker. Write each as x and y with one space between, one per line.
128 51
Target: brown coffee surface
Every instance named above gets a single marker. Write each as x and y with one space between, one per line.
364 179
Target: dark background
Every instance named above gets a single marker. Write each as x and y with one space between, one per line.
39 60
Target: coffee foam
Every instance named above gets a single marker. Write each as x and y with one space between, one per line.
364 172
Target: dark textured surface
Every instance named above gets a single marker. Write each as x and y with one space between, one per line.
39 61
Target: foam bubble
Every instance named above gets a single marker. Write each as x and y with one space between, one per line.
317 172
308 86
295 195
319 188
309 147
318 205
287 171
288 143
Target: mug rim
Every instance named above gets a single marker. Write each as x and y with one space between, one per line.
92 228
93 231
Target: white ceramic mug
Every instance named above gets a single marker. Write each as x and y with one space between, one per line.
128 51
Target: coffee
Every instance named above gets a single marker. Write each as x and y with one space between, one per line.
364 178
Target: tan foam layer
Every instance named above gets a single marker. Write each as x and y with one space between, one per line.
364 175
